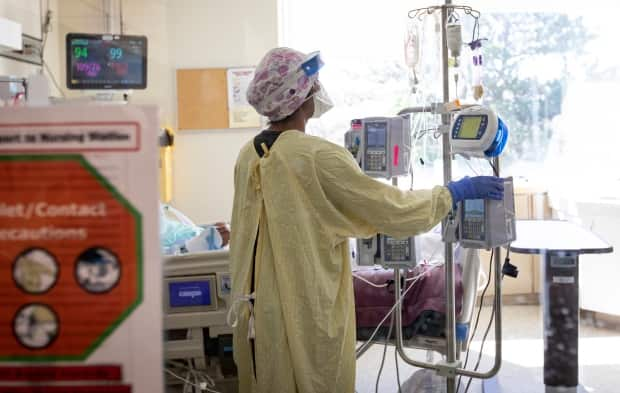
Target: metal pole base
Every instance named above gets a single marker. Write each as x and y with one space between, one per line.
563 389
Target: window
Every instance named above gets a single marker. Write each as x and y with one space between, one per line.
550 73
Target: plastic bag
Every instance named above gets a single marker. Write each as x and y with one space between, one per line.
175 230
207 240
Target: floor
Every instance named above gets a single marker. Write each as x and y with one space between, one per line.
599 358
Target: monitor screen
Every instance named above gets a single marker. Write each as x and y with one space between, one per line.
189 293
106 61
376 134
474 208
469 127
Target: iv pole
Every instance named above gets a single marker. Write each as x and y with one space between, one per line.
451 368
447 176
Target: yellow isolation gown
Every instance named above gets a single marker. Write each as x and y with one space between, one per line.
304 198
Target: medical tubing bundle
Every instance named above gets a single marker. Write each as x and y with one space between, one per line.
372 284
477 317
397 371
359 352
387 340
207 383
484 339
486 333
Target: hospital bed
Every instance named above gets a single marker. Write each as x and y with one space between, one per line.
198 341
197 298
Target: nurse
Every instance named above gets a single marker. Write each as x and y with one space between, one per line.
298 199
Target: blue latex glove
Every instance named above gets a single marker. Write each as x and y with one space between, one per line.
479 187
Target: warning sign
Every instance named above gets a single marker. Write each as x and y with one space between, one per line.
79 245
78 221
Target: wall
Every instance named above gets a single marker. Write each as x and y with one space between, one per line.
28 13
214 33
189 34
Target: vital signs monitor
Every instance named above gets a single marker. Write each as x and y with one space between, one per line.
96 61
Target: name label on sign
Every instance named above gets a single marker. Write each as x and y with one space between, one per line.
83 137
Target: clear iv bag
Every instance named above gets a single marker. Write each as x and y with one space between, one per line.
412 45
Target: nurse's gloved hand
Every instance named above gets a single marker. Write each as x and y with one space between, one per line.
479 187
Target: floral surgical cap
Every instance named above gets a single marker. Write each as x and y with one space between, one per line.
280 86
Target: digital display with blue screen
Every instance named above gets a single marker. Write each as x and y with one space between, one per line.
474 207
106 61
189 293
376 134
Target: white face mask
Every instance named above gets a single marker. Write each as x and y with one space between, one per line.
322 102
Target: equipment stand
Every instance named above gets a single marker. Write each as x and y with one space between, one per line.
451 368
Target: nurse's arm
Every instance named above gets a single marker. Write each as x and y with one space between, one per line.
366 206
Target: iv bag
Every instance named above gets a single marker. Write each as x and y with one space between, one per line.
412 45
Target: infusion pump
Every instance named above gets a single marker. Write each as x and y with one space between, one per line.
387 251
382 145
486 223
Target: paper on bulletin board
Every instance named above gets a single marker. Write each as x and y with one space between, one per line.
80 270
240 112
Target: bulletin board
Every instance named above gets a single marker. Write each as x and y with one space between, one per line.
202 99
215 98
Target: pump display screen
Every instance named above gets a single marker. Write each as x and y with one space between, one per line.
474 208
376 134
189 293
106 61
473 219
469 127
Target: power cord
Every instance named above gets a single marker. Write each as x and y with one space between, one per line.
397 371
387 340
495 171
372 284
484 338
202 380
53 78
45 28
510 270
188 382
486 287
